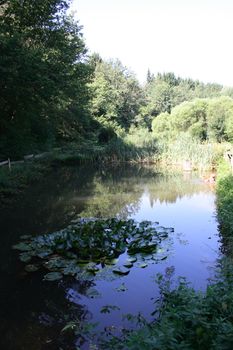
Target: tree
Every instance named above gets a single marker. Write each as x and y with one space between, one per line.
117 95
220 118
149 77
43 72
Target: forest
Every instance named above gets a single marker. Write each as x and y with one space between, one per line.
54 94
76 108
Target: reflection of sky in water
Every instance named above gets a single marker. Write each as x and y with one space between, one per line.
193 216
193 249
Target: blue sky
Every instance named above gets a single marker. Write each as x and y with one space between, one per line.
192 38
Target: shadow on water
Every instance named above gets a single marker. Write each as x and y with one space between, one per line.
33 312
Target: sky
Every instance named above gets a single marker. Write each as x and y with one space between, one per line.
192 38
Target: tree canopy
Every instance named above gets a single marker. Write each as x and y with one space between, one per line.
44 74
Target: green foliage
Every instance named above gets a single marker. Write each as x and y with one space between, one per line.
90 242
191 116
186 319
165 91
116 93
202 119
220 119
225 205
161 126
43 90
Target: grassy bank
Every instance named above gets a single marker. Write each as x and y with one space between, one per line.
225 205
138 146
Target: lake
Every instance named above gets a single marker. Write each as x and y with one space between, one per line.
34 311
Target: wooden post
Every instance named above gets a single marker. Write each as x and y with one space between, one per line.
9 164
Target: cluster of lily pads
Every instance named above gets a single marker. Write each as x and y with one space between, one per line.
88 245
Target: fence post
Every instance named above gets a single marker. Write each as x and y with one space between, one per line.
9 164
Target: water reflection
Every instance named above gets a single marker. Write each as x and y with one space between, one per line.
34 312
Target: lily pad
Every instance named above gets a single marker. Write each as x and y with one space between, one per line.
44 254
22 246
121 272
143 265
92 268
128 265
111 261
25 257
53 276
31 268
132 259
93 293
85 243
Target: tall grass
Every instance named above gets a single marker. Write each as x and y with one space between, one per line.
201 156
138 146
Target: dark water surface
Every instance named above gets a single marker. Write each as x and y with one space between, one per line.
33 312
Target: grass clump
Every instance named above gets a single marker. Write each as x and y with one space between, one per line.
186 319
201 155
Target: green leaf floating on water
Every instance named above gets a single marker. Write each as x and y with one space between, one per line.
92 268
128 265
22 246
53 276
93 293
143 265
121 272
97 241
111 262
31 268
25 257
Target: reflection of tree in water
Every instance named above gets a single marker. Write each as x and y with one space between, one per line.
169 188
37 314
120 195
112 198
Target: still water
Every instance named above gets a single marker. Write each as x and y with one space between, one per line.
33 312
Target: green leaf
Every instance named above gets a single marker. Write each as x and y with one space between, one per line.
121 272
31 268
22 246
143 265
53 276
25 257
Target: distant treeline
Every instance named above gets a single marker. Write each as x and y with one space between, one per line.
53 93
